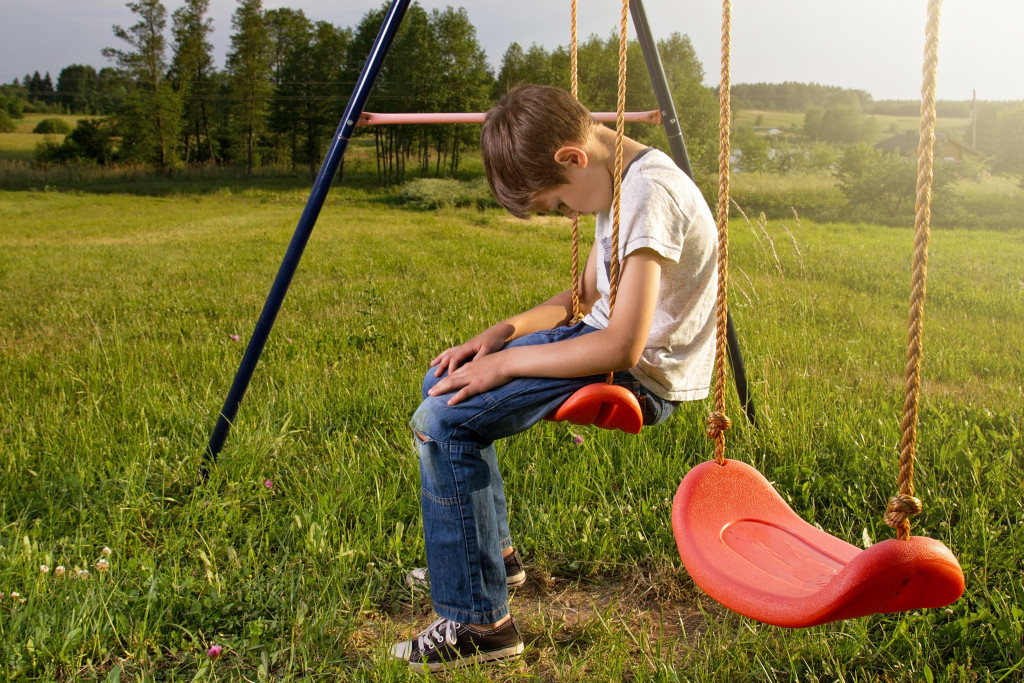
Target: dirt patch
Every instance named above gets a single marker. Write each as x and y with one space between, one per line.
646 613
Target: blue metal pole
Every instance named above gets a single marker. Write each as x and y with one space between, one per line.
356 103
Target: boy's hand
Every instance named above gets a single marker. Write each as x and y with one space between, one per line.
481 374
490 340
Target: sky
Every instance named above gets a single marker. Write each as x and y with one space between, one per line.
872 45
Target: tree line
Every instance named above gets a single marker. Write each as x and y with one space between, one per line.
286 81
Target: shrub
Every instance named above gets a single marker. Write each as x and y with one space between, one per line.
53 127
435 193
91 140
7 124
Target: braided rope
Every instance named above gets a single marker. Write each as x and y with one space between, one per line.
718 421
620 125
574 88
904 504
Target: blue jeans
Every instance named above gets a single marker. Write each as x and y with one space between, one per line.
465 515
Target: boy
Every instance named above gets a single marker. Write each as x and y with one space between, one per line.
543 152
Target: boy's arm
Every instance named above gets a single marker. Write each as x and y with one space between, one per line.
554 312
617 347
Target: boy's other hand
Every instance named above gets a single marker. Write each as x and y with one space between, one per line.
481 374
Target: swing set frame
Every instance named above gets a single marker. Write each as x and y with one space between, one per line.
737 537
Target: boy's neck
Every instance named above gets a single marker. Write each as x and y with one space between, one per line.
603 143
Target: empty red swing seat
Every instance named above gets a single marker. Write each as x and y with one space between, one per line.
747 549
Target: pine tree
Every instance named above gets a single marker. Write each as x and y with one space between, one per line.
249 73
191 73
149 118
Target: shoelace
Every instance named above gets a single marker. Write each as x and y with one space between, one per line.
441 631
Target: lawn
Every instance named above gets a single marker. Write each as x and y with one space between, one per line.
123 319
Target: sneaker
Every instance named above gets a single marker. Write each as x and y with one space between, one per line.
515 574
449 644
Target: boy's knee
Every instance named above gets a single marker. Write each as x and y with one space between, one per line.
429 421
429 380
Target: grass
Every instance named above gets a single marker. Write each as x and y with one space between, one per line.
117 316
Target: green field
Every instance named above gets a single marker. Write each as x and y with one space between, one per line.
21 144
888 125
117 322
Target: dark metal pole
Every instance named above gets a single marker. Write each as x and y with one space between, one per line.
386 35
677 147
676 144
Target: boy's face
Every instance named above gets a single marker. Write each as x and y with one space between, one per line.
588 188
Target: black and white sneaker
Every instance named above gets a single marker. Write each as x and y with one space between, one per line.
449 644
515 574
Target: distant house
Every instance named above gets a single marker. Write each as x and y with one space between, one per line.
946 148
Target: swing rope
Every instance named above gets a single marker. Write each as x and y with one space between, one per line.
718 421
620 126
904 504
574 88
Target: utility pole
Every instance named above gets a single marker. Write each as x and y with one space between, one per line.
974 118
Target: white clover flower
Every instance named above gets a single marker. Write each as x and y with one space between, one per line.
102 565
59 570
15 595
106 552
44 569
82 573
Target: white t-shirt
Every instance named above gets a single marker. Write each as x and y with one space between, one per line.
662 209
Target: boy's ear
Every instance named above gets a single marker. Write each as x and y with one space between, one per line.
571 155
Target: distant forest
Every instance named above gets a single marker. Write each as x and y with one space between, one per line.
799 97
284 86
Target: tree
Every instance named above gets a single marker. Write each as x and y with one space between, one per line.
290 35
149 118
326 91
696 104
842 125
76 86
404 84
755 152
110 91
249 71
461 82
535 65
876 182
191 71
1001 132
40 90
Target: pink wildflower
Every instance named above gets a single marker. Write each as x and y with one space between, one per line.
235 337
269 484
578 439
214 651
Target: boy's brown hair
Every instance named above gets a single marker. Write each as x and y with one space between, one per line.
520 137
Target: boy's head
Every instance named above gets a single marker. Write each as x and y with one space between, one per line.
520 137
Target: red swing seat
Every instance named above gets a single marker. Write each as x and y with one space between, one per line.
747 549
604 405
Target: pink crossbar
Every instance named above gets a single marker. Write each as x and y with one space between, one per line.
371 119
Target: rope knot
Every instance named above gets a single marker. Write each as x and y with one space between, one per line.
901 506
717 423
